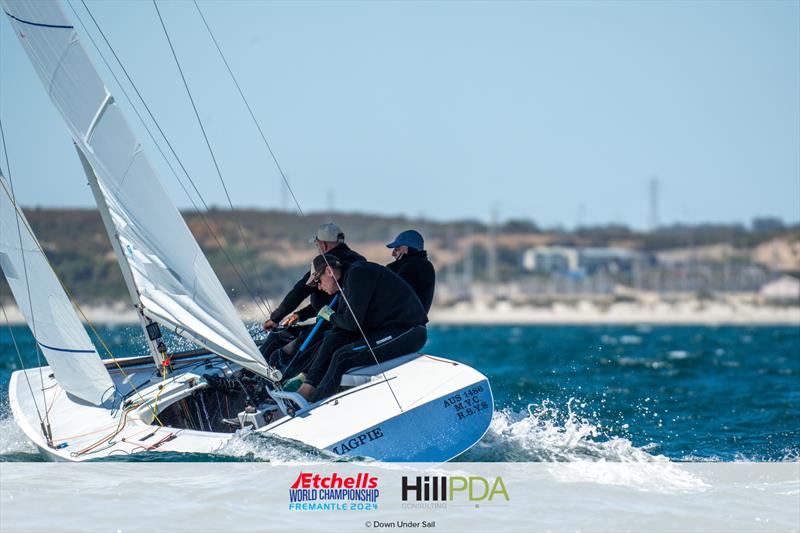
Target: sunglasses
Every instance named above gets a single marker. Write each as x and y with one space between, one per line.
316 279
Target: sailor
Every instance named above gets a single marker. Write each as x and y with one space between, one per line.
411 263
376 304
280 347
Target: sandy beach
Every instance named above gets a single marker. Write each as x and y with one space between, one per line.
583 312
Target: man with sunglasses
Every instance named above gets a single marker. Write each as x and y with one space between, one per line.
378 317
281 347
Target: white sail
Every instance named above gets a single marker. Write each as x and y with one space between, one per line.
174 281
49 313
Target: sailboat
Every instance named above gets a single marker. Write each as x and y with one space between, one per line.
82 406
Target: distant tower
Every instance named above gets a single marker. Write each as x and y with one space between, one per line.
492 259
654 186
469 260
581 221
331 200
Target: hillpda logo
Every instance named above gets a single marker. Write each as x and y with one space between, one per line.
436 491
315 492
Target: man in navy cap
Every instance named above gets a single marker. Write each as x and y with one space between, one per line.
280 348
411 263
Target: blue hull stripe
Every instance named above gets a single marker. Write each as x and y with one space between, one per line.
433 432
39 24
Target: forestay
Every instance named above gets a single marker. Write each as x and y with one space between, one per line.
49 313
175 283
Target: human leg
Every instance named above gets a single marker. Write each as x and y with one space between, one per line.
385 344
320 360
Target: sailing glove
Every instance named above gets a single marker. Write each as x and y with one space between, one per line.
326 313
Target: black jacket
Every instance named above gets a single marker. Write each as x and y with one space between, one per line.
417 271
301 291
379 299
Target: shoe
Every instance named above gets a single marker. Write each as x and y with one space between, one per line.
293 384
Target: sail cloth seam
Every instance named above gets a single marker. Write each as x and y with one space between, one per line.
39 24
54 74
169 144
202 129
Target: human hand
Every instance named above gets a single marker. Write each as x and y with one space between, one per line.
291 319
268 325
326 313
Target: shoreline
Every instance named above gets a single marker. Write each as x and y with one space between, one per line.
503 313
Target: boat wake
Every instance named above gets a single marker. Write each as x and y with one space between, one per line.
578 451
252 446
546 433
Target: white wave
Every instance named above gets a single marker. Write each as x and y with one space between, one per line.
544 433
263 447
12 439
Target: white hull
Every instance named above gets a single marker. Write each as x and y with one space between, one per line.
446 408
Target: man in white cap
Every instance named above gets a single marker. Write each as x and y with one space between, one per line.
280 348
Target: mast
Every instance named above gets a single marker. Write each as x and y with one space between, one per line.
169 278
156 346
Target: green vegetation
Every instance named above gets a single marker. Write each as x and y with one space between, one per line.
78 247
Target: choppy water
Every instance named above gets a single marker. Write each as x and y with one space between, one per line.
571 393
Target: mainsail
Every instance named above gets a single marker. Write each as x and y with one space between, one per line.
172 278
49 313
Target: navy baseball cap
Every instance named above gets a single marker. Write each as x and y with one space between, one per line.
410 238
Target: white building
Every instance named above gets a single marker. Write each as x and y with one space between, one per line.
783 289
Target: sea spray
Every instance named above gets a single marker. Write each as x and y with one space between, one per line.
253 446
545 433
14 445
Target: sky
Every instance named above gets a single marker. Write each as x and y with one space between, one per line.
562 113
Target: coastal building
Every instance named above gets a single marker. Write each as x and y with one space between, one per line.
782 290
580 261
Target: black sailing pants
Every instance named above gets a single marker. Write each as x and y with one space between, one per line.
280 349
333 359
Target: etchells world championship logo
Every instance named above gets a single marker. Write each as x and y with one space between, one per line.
315 492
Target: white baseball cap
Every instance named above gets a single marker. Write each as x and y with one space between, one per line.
328 232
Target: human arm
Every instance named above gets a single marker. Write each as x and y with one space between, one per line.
292 300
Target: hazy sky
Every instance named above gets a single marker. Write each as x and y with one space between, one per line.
559 112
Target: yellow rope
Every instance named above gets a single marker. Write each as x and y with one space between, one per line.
76 304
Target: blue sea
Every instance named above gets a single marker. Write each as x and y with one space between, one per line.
570 393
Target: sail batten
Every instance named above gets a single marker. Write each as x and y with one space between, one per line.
166 271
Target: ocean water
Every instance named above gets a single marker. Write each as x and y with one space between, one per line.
636 394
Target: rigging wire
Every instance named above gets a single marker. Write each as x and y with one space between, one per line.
249 109
20 217
21 362
289 187
200 123
174 173
364 336
171 149
77 306
12 197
